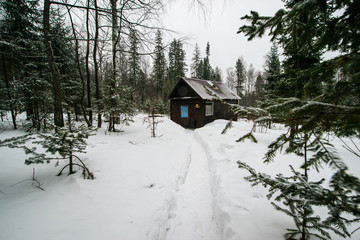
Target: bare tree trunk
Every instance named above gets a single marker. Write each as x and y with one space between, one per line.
58 112
96 70
114 39
79 68
71 163
13 116
88 84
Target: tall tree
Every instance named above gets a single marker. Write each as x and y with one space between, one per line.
196 67
177 64
314 103
79 67
259 87
159 66
272 71
134 59
96 65
112 80
240 72
87 64
207 70
217 75
65 56
18 26
58 112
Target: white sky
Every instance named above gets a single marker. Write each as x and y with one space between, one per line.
219 28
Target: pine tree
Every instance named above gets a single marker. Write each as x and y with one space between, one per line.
196 68
54 71
134 59
63 50
259 87
66 142
159 66
118 101
177 64
309 100
207 70
240 72
217 75
20 42
272 71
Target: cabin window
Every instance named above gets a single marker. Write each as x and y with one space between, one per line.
184 111
209 109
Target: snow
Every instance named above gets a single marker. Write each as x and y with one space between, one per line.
193 217
183 185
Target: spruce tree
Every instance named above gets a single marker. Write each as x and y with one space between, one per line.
217 76
314 98
134 59
240 72
272 71
177 64
20 49
207 70
196 68
118 101
159 66
259 87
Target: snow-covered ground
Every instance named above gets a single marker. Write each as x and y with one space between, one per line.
183 185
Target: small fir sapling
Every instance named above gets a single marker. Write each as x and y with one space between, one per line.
65 142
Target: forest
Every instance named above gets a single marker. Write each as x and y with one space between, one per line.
103 61
98 59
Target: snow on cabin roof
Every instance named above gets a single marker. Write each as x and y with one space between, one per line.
219 89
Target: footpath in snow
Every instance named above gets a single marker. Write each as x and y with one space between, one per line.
193 217
183 185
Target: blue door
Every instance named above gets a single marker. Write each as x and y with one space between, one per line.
184 111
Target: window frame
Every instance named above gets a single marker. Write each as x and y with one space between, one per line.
212 109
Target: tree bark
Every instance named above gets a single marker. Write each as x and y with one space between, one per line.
114 39
79 69
13 116
96 70
58 112
88 83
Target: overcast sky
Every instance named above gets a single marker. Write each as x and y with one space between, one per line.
219 27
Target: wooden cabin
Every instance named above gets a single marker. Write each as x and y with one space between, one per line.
192 106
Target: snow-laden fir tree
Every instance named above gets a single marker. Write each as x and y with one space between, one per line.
207 69
240 72
177 64
314 98
159 66
63 144
196 68
66 142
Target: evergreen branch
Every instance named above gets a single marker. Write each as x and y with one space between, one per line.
347 147
227 127
276 146
248 136
299 195
326 152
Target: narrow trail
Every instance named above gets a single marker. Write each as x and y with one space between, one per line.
193 216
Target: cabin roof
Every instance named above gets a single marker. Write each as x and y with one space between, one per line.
201 86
